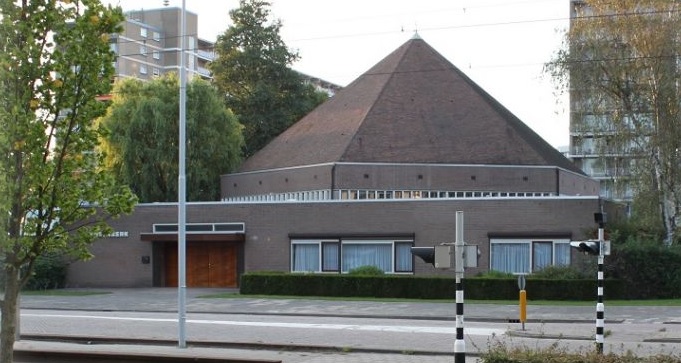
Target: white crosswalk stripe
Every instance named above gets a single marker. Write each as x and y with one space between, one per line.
413 329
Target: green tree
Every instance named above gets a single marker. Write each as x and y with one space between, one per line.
54 61
252 71
620 61
141 144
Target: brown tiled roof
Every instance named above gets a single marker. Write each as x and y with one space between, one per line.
414 106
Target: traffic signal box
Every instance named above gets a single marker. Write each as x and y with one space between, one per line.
591 247
442 256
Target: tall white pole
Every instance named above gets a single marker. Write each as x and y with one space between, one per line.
181 193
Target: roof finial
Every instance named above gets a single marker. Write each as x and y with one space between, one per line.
416 32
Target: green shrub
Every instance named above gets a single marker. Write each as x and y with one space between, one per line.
49 272
368 270
501 353
651 269
417 287
493 274
560 273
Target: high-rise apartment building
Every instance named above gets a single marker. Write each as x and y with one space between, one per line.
591 143
149 44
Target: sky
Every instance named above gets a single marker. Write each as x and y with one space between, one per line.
502 45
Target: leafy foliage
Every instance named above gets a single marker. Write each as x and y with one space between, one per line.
650 268
493 274
561 273
366 271
416 287
54 61
49 272
252 71
503 353
141 143
620 63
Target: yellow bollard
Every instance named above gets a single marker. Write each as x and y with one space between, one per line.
523 308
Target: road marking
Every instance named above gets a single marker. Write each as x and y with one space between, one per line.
350 327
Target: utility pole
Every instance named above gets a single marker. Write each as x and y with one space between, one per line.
182 193
441 258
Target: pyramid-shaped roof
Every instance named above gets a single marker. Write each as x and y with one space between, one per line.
414 106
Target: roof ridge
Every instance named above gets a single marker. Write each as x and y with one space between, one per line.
413 106
373 104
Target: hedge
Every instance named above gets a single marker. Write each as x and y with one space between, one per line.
417 287
651 270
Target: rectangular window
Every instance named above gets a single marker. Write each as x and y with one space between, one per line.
510 257
143 49
157 72
542 254
360 254
305 257
330 256
156 36
403 257
143 69
527 255
143 32
391 256
156 54
562 253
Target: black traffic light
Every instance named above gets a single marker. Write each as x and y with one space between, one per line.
600 218
427 254
588 247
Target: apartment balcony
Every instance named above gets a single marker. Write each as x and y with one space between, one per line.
206 54
579 151
204 72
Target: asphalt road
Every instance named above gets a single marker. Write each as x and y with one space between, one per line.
318 331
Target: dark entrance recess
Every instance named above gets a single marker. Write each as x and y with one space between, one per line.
209 264
213 260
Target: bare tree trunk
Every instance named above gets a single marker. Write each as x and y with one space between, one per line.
8 319
670 217
667 200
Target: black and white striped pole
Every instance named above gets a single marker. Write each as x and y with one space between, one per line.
441 258
601 248
459 343
600 307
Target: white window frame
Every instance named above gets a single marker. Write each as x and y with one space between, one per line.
156 54
156 36
143 32
530 242
143 68
344 242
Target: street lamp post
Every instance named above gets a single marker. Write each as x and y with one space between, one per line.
182 193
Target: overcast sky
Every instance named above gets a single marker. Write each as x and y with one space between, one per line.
501 44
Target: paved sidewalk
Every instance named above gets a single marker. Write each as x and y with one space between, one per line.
545 323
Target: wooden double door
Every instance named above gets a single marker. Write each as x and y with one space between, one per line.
209 264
